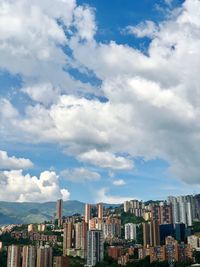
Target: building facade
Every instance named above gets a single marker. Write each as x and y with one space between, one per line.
95 247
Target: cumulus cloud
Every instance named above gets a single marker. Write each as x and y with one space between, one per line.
42 93
103 196
153 99
7 162
15 186
144 29
84 22
106 160
80 175
119 182
34 50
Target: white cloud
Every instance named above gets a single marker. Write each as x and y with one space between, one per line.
34 50
15 186
7 162
43 93
106 160
153 99
84 21
79 175
144 29
103 196
119 182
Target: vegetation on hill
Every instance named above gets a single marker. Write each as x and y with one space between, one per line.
128 217
196 227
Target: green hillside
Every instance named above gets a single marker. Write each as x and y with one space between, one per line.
28 212
14 212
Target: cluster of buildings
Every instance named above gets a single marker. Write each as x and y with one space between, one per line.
165 235
180 209
34 257
85 238
172 251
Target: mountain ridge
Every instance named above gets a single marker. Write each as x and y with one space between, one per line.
35 212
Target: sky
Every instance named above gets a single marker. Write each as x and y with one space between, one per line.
99 100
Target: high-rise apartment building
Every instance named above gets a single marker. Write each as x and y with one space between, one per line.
29 256
95 247
59 208
88 212
75 239
135 207
69 237
184 209
44 256
13 259
130 230
112 227
81 229
162 213
172 251
151 234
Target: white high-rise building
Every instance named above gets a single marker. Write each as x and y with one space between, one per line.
130 231
183 209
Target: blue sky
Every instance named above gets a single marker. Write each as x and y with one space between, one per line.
96 103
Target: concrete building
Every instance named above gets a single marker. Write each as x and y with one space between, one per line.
29 256
135 207
31 228
100 211
44 256
41 227
162 213
112 227
59 209
13 259
75 239
184 209
130 230
172 251
95 247
151 234
157 253
88 212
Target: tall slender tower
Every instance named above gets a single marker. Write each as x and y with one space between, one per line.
59 208
100 211
88 214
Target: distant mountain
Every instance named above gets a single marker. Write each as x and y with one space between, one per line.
28 212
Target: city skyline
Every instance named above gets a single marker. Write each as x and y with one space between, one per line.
99 100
